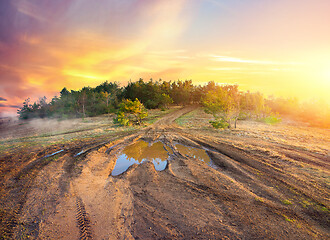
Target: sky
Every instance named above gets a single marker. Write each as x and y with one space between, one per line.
279 48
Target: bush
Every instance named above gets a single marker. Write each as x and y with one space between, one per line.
219 124
151 104
242 116
123 119
131 112
272 119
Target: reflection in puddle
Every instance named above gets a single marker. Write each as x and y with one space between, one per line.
140 152
168 149
196 153
50 155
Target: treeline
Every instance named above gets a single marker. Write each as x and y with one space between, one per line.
85 102
226 102
314 112
106 97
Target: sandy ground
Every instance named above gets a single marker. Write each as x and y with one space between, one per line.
261 188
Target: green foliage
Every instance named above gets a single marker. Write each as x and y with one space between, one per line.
288 219
286 202
122 119
324 209
25 111
227 104
259 199
219 124
131 112
83 103
243 116
185 119
165 100
38 109
253 103
272 119
223 103
160 94
182 92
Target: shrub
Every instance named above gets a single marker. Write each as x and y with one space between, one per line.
219 124
286 202
131 112
243 116
272 119
122 119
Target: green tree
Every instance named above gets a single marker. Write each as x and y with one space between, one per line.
131 112
25 111
235 96
254 104
43 107
82 101
222 102
164 100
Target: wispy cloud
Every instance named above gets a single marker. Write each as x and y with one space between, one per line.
249 61
29 9
9 106
239 60
224 69
2 99
168 52
80 74
250 69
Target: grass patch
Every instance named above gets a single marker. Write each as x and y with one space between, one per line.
286 202
305 203
186 118
316 206
273 119
258 199
154 115
324 209
288 219
99 129
219 124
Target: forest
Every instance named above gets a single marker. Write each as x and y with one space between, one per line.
225 102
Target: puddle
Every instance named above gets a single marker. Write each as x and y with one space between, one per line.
110 148
168 149
50 155
140 152
196 153
79 153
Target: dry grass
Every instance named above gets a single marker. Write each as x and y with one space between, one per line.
45 132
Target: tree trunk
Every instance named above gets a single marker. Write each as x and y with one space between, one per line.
137 119
84 110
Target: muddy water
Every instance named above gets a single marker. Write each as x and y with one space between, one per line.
140 152
50 155
157 153
196 153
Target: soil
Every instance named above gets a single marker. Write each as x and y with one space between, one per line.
252 193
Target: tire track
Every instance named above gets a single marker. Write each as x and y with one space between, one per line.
83 221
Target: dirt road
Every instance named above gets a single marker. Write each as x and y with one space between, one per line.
241 196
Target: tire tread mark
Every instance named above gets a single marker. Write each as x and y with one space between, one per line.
83 221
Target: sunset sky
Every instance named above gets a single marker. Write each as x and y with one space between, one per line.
279 47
